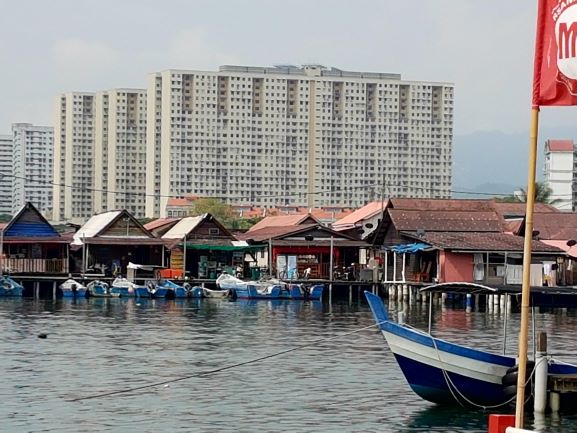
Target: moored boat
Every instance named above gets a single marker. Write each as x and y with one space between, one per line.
73 289
168 289
9 287
451 374
216 294
99 289
123 288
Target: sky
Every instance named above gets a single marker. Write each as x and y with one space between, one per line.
483 47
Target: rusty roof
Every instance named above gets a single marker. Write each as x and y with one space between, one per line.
367 211
558 225
438 204
160 222
508 210
282 221
470 241
446 221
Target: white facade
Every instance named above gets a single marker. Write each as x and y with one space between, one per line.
120 151
73 157
32 165
302 136
99 153
560 166
6 143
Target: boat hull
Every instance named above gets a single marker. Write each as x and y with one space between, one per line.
293 292
78 293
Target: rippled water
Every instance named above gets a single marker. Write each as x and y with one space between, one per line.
349 384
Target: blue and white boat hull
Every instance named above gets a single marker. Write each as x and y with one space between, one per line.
78 293
9 287
443 372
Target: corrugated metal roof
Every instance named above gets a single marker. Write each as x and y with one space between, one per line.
367 211
509 210
183 227
282 221
95 225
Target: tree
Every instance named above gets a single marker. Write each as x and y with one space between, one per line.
223 212
543 194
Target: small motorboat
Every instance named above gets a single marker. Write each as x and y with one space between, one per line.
272 289
216 294
99 289
123 288
9 287
73 289
168 289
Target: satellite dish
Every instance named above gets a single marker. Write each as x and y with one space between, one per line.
309 238
369 225
571 242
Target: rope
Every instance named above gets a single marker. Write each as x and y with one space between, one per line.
450 384
218 370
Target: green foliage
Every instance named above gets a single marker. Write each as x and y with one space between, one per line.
543 194
223 212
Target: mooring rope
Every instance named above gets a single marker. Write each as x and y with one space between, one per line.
226 367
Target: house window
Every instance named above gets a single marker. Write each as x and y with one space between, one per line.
214 232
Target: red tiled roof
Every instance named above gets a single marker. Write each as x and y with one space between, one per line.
560 145
281 221
555 225
470 241
443 221
178 202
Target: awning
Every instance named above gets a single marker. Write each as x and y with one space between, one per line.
410 248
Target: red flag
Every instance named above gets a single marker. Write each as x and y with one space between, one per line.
555 70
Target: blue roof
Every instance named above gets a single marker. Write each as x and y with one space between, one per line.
410 248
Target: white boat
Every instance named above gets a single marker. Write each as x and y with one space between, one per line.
73 289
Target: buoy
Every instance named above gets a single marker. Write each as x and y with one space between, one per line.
42 335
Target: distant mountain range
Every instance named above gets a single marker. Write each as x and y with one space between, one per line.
494 162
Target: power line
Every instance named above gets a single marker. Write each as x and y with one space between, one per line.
295 194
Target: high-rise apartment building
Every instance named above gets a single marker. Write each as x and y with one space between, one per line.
6 143
120 151
100 153
296 135
559 173
32 166
73 172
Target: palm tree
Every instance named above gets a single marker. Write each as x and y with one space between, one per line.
543 194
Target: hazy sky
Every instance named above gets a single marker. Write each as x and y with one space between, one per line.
484 47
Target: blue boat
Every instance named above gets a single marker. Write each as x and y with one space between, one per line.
73 289
168 289
9 287
450 374
279 291
124 288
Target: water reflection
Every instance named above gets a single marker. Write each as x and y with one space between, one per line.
342 385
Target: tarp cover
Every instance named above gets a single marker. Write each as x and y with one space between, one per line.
410 248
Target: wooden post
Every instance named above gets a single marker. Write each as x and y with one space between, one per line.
54 290
526 286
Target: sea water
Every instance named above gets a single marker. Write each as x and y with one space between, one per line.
342 379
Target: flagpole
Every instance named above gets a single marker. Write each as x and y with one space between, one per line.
526 288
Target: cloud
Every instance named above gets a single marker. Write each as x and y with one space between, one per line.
79 55
190 49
